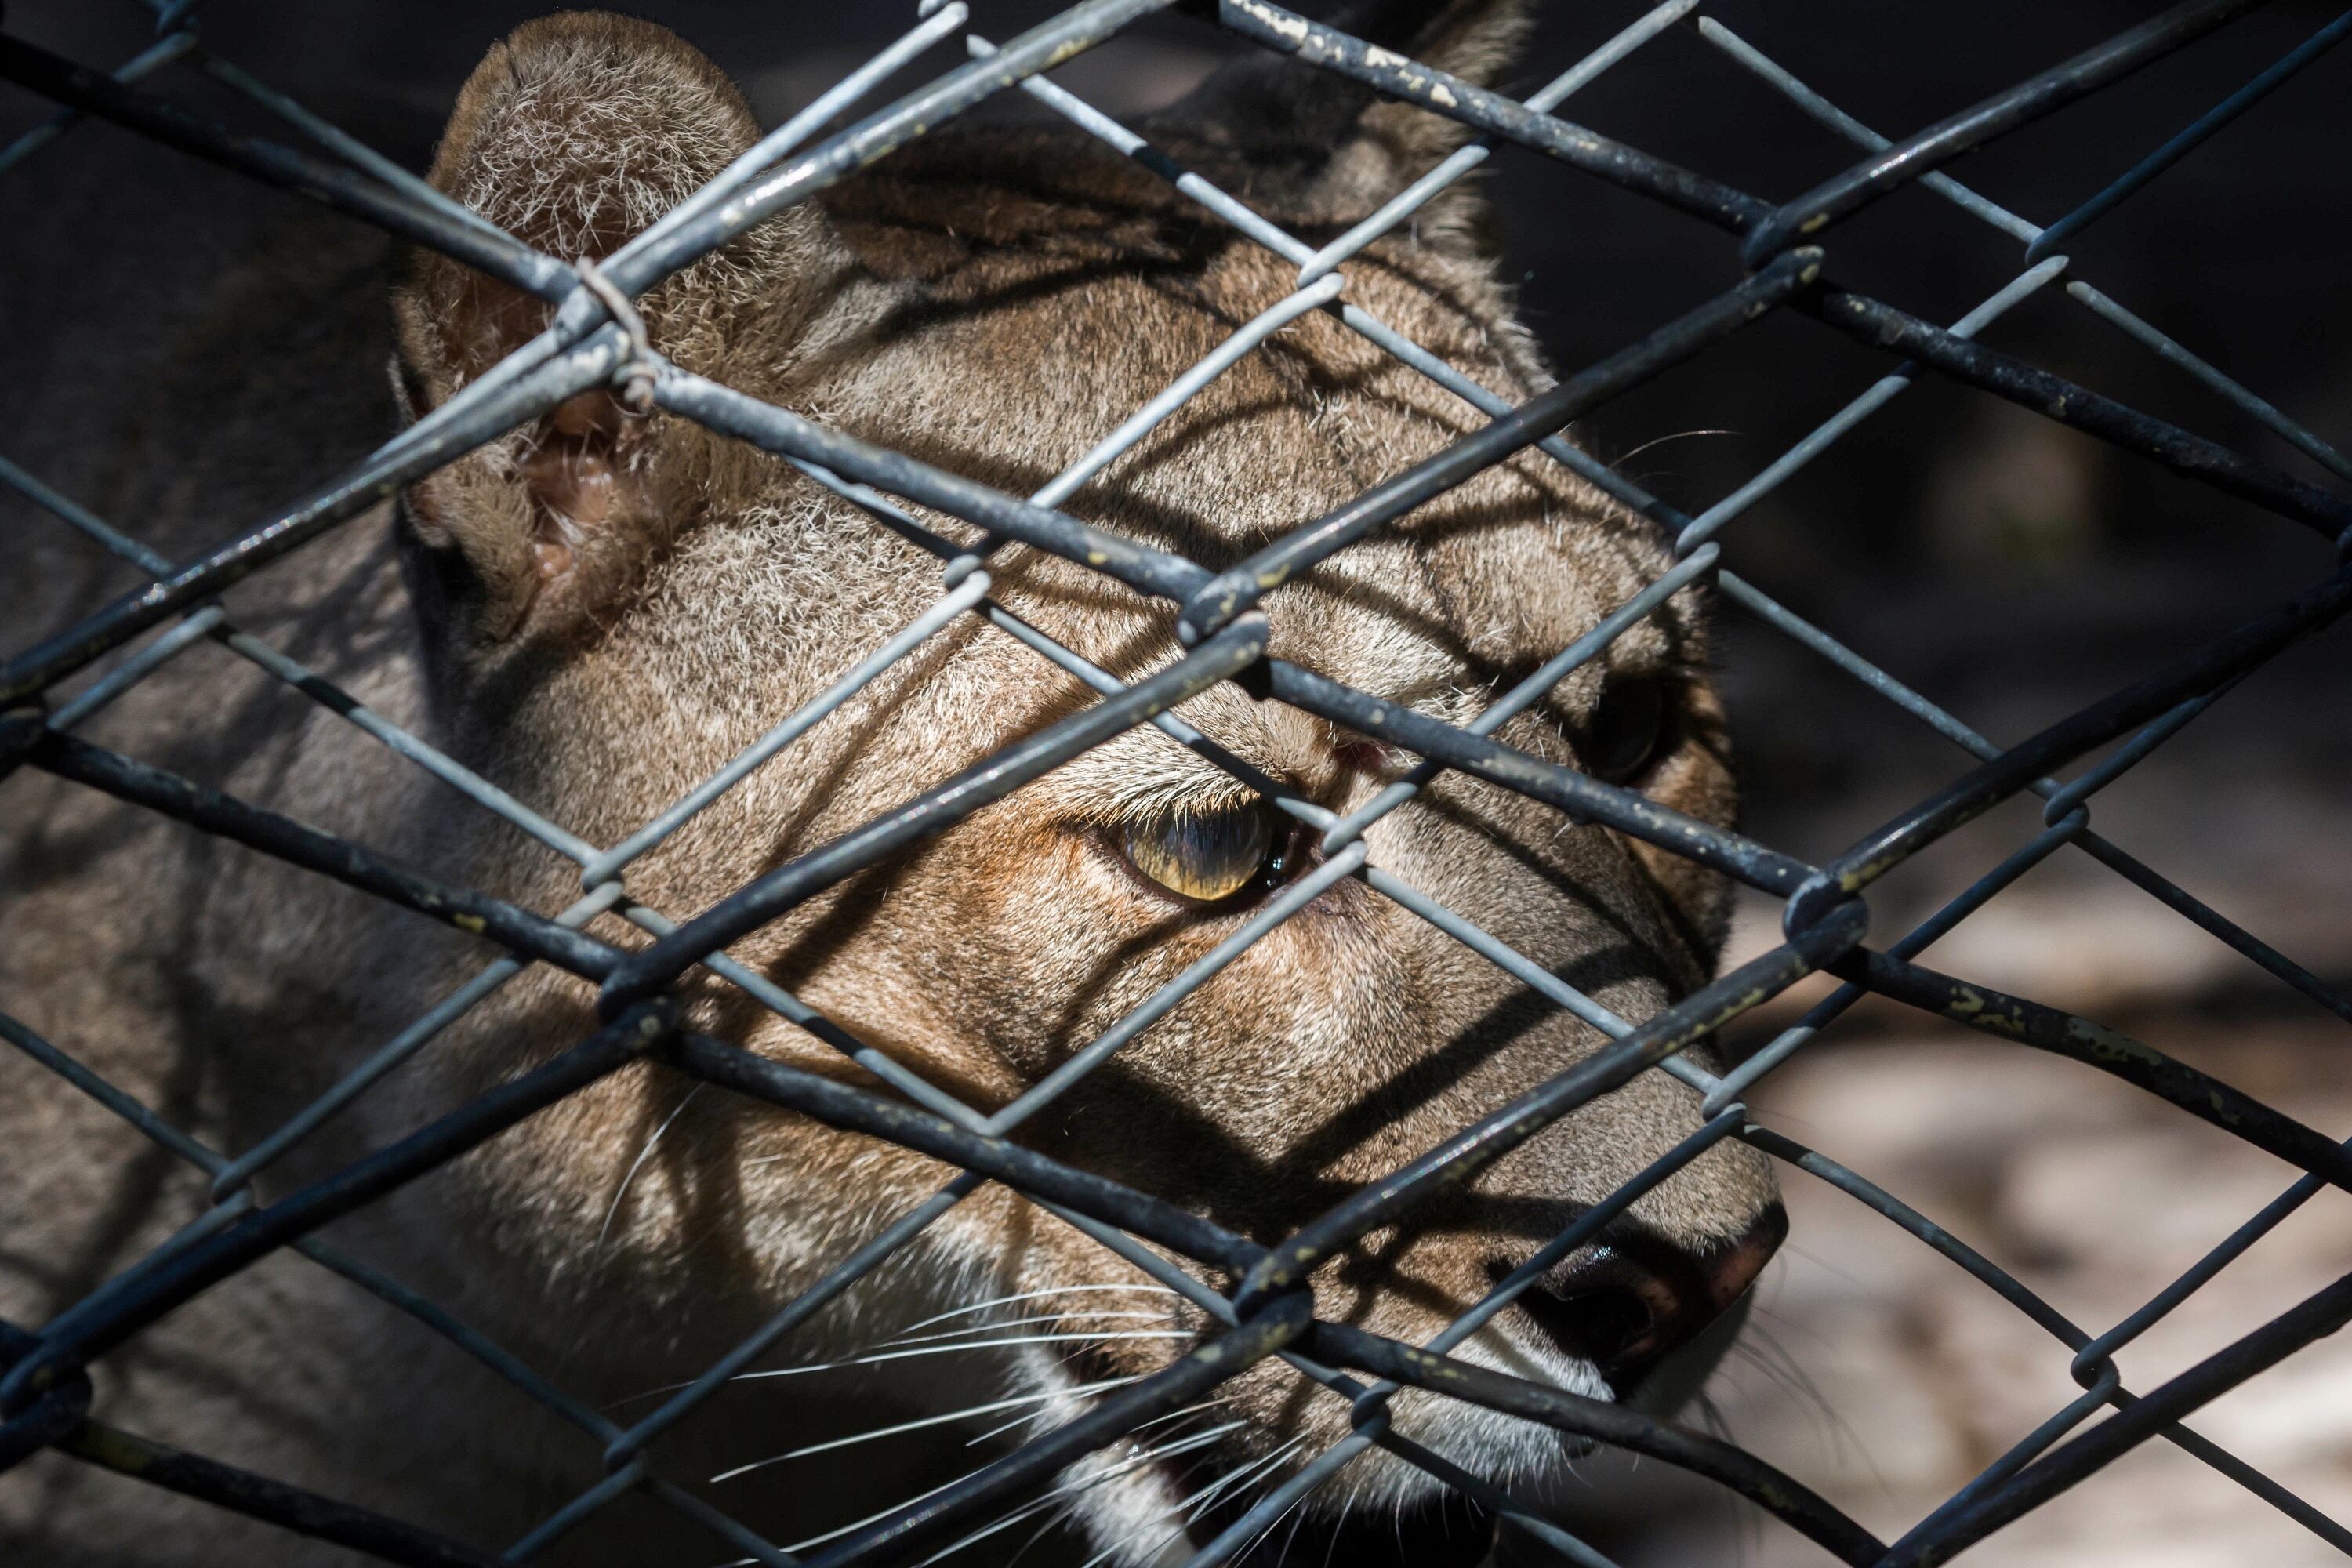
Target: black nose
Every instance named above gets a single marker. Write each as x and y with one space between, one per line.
1624 1301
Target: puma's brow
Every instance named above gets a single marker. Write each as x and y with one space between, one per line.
1114 802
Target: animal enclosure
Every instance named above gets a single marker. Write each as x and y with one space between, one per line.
1783 255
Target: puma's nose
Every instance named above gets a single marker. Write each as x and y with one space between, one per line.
1627 1300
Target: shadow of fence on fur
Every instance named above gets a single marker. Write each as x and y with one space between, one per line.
596 341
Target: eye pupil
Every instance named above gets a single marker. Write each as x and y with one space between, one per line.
1207 856
1624 735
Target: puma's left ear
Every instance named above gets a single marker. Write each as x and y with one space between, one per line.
1328 147
574 134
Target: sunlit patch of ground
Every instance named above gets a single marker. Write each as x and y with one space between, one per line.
1885 1377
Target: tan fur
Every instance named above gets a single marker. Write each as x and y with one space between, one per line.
611 607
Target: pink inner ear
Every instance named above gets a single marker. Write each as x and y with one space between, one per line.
597 412
1364 756
573 478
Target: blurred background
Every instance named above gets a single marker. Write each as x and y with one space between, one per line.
2009 569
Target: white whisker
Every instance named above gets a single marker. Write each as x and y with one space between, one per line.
964 1345
1247 1479
1254 1475
638 1163
1298 1507
1275 1524
1000 1430
1039 1295
924 1350
1054 1520
1125 1467
996 1323
1192 1507
1345 1509
926 1421
1248 1476
886 1512
1662 440
1043 1414
882 1513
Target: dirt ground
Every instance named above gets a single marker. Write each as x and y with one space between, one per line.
1879 1373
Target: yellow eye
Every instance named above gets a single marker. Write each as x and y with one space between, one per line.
1206 856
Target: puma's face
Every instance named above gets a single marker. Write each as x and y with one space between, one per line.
614 607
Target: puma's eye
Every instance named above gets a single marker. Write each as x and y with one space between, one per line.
1627 726
1207 856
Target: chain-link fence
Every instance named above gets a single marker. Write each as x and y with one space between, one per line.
597 340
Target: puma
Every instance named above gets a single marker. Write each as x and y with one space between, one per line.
598 611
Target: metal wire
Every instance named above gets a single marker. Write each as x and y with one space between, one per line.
1789 249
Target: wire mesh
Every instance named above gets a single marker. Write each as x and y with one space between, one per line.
596 339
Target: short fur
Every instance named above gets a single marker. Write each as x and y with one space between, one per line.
598 611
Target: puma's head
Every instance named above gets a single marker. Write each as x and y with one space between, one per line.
613 606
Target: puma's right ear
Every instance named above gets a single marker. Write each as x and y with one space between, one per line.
1335 147
574 134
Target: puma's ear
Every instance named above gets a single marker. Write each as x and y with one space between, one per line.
1335 148
574 134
